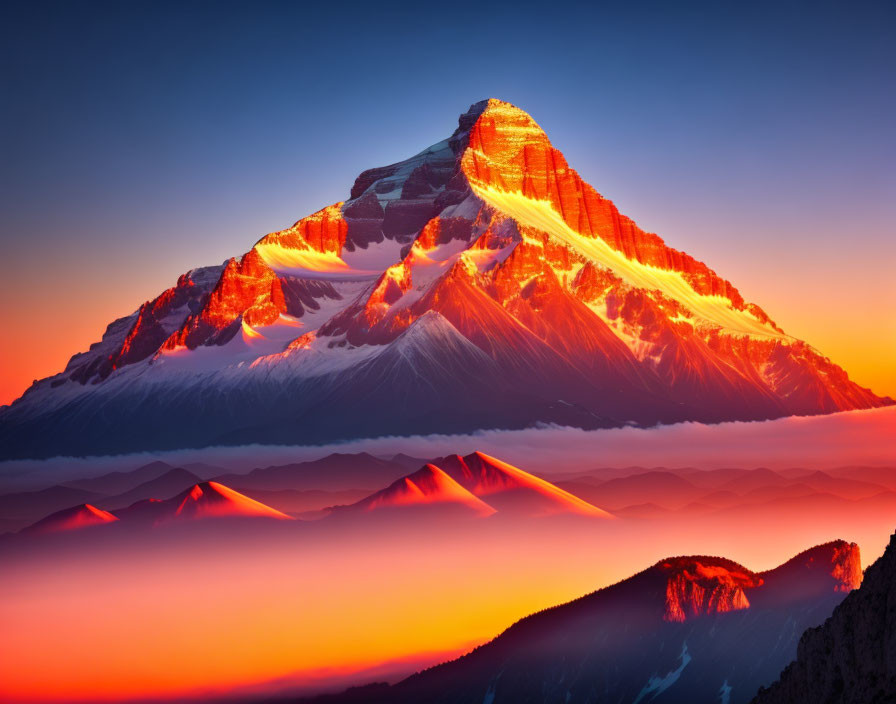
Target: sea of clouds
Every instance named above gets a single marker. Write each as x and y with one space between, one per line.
817 442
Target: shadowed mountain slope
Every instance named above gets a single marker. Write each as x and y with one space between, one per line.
689 629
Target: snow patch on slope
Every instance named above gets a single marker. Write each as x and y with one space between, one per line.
540 215
657 685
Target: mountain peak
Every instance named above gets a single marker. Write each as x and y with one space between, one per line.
75 518
510 489
699 585
213 500
577 316
482 483
838 561
429 485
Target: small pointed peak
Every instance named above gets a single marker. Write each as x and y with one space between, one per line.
211 499
74 518
494 111
430 326
507 116
840 559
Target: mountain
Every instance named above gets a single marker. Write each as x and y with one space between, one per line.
120 482
171 482
429 486
672 490
688 629
69 519
22 508
407 461
336 472
478 284
480 484
511 490
205 500
200 501
850 658
306 504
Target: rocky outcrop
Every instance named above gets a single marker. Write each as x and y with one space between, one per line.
133 339
851 658
323 231
247 290
695 588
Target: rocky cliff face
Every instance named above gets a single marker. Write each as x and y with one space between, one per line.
851 658
584 318
695 588
510 152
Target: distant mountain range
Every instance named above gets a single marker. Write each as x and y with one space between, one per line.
477 485
478 284
205 500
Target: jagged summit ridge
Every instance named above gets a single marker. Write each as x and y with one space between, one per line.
558 310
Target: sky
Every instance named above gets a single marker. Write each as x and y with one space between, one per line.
140 140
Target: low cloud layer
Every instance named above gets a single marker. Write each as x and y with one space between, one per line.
854 438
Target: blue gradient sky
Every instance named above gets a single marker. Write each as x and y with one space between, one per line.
140 140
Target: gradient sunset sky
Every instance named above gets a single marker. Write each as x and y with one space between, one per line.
143 139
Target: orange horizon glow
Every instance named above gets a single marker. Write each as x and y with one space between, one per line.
182 612
172 619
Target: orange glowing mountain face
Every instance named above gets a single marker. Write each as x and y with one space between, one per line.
214 500
511 490
201 501
75 518
426 487
697 586
484 267
481 484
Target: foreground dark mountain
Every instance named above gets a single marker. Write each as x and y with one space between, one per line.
688 629
478 284
851 659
